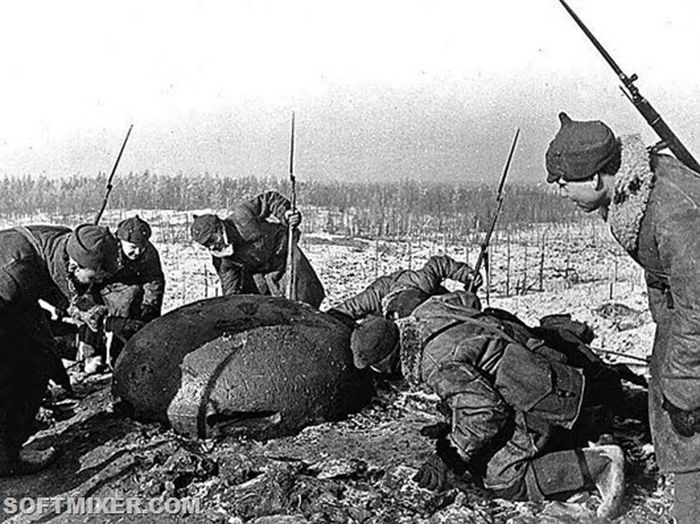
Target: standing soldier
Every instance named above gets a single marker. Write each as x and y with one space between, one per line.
650 201
49 263
249 251
397 294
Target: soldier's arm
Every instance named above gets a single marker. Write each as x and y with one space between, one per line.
17 282
479 413
153 286
679 249
230 275
440 268
367 302
269 204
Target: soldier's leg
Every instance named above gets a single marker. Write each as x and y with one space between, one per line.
565 472
123 300
686 503
91 349
309 288
22 387
506 469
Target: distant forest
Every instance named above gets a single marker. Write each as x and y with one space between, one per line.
408 202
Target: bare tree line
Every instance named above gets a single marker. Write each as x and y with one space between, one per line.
397 209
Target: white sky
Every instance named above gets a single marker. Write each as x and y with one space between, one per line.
424 89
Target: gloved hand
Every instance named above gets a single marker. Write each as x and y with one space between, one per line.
293 218
478 281
450 456
435 431
433 474
685 422
87 313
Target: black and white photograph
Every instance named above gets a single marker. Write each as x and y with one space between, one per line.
369 262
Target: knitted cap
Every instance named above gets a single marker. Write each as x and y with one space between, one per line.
134 230
93 247
203 228
373 340
579 149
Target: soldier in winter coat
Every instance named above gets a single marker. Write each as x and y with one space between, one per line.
249 252
53 264
516 406
650 201
135 292
397 294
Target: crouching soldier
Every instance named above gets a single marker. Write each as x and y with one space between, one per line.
249 252
396 295
652 203
515 407
134 293
49 263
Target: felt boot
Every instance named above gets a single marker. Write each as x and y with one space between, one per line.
599 467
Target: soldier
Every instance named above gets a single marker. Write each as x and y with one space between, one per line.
53 264
650 201
397 294
135 292
516 408
249 252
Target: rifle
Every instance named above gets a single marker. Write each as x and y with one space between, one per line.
668 137
291 269
499 201
111 176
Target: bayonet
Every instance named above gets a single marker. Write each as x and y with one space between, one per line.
483 253
111 177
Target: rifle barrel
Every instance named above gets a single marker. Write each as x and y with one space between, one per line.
290 266
292 178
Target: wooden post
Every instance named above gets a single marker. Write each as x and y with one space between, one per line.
544 242
524 286
508 263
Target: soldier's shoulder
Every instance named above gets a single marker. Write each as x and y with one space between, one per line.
675 183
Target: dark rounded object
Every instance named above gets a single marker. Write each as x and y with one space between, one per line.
241 364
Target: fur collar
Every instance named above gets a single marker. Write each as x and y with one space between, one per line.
411 349
633 184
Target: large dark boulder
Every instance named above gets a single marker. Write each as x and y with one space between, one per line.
255 365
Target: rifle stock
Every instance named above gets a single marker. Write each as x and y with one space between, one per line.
667 136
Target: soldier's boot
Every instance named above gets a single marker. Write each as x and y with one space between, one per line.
26 461
599 467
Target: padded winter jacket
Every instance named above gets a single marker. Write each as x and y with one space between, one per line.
428 279
258 263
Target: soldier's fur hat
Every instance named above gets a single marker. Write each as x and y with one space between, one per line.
93 247
204 227
373 340
134 229
580 150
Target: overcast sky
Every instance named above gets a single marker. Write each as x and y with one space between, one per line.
430 90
